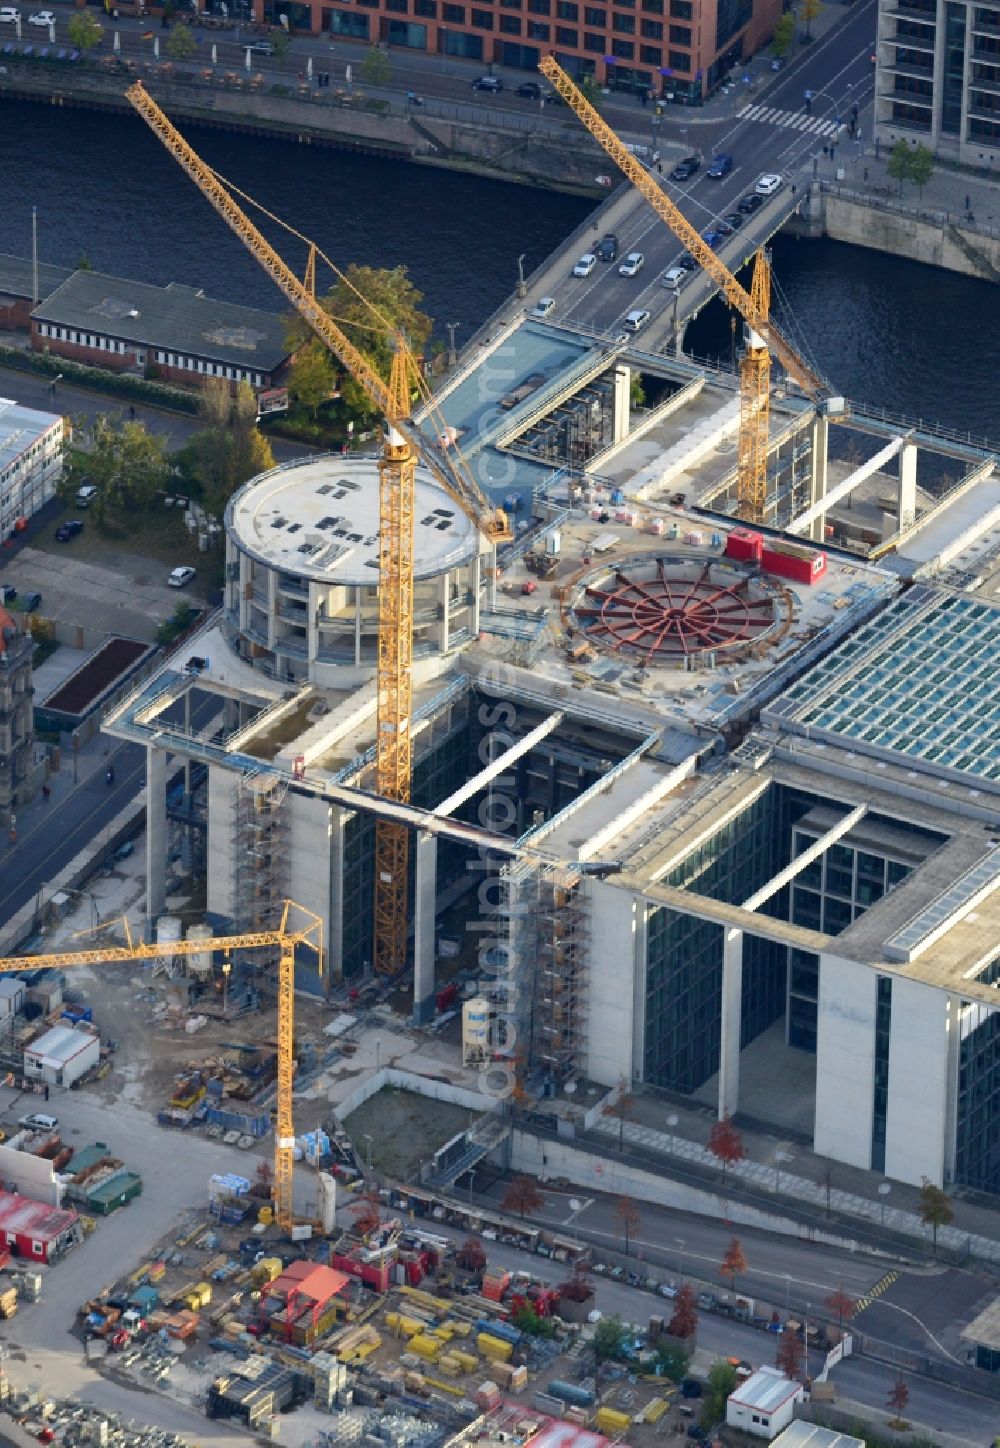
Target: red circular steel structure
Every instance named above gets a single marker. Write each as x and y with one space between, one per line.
676 612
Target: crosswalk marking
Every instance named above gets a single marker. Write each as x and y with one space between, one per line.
791 120
882 1285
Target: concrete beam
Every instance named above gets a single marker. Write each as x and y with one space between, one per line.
731 1023
821 507
498 765
819 847
424 914
156 832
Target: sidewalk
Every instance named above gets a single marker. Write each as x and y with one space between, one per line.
789 1169
949 196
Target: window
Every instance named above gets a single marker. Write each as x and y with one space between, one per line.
624 24
538 31
398 7
565 36
681 9
650 54
653 7
565 10
510 4
595 16
623 49
680 34
482 19
427 8
539 7
454 13
38 1249
594 42
731 17
653 29
510 24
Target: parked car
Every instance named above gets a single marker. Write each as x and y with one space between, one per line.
530 90
179 577
543 307
721 166
723 228
685 169
673 277
42 18
632 265
260 47
711 237
607 249
39 1121
768 184
487 83
31 602
667 1289
85 495
734 219
9 14
7 593
69 530
635 320
585 265
687 262
750 204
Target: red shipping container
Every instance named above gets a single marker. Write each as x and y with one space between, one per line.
446 996
744 545
414 1274
801 565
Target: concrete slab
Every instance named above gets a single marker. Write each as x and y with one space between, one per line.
78 593
777 1083
56 670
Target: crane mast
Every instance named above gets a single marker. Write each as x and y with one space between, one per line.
755 397
286 938
402 444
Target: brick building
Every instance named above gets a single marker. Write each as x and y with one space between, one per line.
175 332
21 290
679 49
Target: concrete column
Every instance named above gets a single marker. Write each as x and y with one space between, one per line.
335 915
954 1038
357 626
623 389
640 920
425 897
444 587
156 831
187 761
476 584
731 1022
906 507
817 477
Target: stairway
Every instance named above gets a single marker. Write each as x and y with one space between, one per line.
979 260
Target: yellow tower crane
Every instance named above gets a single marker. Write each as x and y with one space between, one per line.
286 937
404 441
753 306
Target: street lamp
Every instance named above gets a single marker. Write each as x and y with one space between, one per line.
521 288
788 1282
369 1141
884 1188
673 1118
680 1258
452 328
443 32
226 968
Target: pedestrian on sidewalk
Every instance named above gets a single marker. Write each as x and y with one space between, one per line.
111 774
968 202
46 793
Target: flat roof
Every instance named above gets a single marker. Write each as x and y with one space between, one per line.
985 1327
765 1390
176 317
317 518
33 1219
969 517
801 1434
20 428
919 680
17 278
60 1044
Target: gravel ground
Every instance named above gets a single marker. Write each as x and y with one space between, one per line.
406 1129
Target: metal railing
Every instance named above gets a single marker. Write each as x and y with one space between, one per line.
882 202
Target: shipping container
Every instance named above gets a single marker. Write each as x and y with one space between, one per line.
791 560
745 545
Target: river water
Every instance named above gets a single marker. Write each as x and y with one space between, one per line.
918 341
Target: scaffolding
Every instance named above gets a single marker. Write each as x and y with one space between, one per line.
560 1010
259 846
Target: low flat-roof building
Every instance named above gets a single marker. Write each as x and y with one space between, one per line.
62 1055
301 1304
983 1334
174 332
23 286
35 1229
801 1434
31 459
764 1404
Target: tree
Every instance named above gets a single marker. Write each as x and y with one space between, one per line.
722 1379
125 462
364 300
627 1216
311 376
684 1322
897 1401
472 1255
609 1339
280 42
921 165
672 1360
522 1196
230 449
784 35
899 163
935 1208
790 1356
733 1262
577 1288
181 44
84 32
810 10
623 1107
843 1304
725 1142
375 68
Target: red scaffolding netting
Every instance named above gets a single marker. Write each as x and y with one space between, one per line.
659 613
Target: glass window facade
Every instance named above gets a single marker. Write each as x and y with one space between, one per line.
954 68
880 1091
977 1137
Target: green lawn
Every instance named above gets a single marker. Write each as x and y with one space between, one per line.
125 537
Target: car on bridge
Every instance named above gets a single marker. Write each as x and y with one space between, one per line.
673 277
721 166
632 265
487 83
685 169
768 184
542 308
635 320
585 265
750 204
607 249
711 237
734 219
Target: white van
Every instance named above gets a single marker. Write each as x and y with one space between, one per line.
86 495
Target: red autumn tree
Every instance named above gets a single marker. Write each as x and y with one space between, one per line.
725 1142
790 1355
522 1196
627 1217
733 1262
472 1255
898 1399
623 1108
843 1304
684 1322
